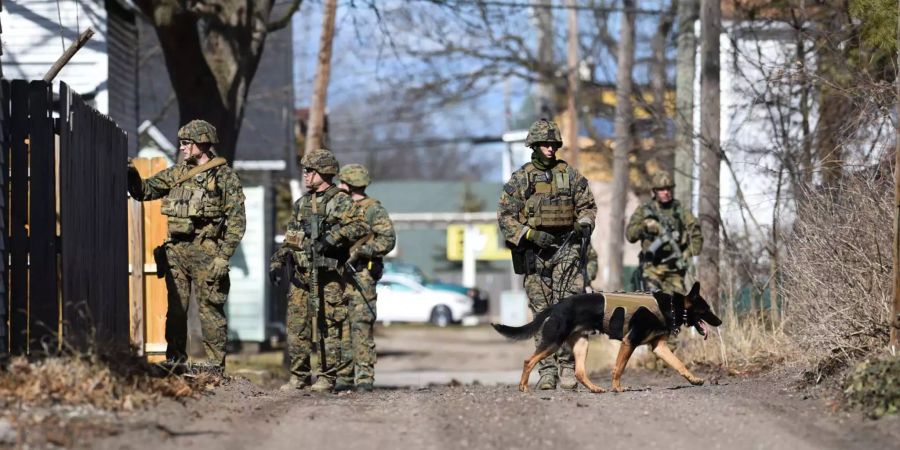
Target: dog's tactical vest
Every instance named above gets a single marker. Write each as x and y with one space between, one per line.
619 309
550 198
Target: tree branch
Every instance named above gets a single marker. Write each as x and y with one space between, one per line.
285 19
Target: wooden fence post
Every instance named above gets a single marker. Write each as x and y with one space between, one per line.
136 256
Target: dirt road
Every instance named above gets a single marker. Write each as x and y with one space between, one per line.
728 412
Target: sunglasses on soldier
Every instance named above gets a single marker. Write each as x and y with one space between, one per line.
308 170
184 142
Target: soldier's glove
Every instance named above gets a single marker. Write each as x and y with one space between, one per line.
651 226
275 271
219 267
359 253
323 244
540 238
584 229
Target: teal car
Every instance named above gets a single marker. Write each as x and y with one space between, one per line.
399 268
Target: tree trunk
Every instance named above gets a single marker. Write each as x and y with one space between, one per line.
572 47
662 144
315 133
623 141
710 158
212 52
545 105
686 65
834 107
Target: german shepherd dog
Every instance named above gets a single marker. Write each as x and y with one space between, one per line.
635 319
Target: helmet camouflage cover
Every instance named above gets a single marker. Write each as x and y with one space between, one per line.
543 130
355 175
662 180
199 131
322 161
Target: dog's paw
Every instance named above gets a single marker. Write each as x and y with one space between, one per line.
597 390
523 388
620 388
696 381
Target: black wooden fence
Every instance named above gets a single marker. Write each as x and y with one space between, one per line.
68 285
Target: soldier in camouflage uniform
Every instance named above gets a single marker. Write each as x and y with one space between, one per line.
365 269
669 236
545 209
204 204
324 208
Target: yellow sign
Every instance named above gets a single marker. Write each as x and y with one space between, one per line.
485 240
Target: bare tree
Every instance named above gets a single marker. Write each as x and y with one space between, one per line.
212 51
624 139
711 25
572 93
684 101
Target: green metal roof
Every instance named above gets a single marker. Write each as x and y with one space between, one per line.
426 248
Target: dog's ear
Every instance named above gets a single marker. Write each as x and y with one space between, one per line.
695 290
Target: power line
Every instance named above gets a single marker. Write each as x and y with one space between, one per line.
62 42
525 4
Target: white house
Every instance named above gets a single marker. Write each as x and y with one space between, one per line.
37 32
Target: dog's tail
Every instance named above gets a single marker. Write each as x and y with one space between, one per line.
525 331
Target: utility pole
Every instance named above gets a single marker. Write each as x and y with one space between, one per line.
572 47
622 129
710 156
686 64
316 130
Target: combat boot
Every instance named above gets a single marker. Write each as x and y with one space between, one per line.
547 382
364 387
322 384
343 385
567 378
295 383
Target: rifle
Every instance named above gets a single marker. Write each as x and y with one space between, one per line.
649 257
637 277
316 302
661 240
358 285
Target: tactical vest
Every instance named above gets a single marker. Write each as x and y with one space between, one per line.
550 198
193 203
295 237
298 239
619 309
363 210
674 224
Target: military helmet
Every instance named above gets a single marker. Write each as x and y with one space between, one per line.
543 130
355 175
662 180
322 161
199 131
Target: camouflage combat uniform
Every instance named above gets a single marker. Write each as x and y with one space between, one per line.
331 212
550 203
366 256
592 264
679 238
206 222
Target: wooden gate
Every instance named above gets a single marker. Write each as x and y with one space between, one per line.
146 230
68 280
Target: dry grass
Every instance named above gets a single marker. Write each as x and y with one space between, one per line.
124 384
744 344
837 274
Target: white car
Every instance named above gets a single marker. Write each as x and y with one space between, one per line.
401 299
